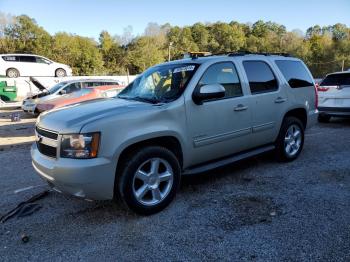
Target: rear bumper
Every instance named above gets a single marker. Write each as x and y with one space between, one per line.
334 111
312 118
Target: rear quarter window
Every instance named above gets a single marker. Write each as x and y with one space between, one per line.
295 73
10 58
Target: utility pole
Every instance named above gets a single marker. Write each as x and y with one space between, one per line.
342 65
170 45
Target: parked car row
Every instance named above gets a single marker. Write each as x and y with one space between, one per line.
68 92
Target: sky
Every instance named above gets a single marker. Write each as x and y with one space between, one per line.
90 17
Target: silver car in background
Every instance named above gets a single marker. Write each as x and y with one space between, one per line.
66 87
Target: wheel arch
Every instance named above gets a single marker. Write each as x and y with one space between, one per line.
299 113
19 73
170 142
58 68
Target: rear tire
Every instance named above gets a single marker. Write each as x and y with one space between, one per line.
290 141
149 179
12 73
323 118
60 72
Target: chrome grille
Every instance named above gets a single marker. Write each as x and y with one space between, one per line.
46 141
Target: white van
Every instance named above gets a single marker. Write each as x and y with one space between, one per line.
15 65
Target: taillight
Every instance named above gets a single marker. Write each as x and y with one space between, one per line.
322 89
316 96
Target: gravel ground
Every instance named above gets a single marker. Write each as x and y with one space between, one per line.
255 210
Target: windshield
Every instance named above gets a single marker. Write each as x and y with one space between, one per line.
56 87
160 84
342 79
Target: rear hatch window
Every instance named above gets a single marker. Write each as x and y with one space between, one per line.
342 79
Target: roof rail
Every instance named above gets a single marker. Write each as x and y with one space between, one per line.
240 53
195 55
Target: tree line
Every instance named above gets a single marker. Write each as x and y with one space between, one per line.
324 49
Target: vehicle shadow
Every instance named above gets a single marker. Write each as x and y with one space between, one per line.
336 122
235 172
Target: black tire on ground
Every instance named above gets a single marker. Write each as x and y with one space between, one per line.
323 118
125 180
12 73
60 72
281 152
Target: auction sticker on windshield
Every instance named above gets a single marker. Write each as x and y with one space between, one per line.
184 69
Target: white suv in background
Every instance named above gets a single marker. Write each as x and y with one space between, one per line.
334 96
15 65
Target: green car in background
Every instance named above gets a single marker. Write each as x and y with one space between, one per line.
7 93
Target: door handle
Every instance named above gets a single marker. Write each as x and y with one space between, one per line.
240 107
280 100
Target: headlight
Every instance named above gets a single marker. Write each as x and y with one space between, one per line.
80 145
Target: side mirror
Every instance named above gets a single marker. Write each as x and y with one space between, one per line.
208 92
63 92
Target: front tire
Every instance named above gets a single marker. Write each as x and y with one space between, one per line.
149 179
290 141
12 73
60 72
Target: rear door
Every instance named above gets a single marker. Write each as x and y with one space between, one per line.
334 91
28 66
220 127
270 100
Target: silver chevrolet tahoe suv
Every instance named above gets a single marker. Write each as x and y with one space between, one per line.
178 118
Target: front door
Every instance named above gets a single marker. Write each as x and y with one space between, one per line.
220 127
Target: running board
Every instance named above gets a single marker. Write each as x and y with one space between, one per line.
226 161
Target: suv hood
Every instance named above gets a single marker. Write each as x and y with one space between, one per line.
72 118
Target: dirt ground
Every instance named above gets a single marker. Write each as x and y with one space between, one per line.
255 210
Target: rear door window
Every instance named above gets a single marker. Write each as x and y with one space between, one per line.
342 79
260 76
224 74
295 73
27 59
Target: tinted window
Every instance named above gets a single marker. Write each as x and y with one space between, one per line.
260 77
29 59
224 74
72 87
11 58
336 80
295 73
90 84
42 60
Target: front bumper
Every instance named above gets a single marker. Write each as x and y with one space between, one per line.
85 178
29 108
335 111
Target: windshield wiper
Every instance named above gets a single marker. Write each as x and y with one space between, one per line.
141 99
